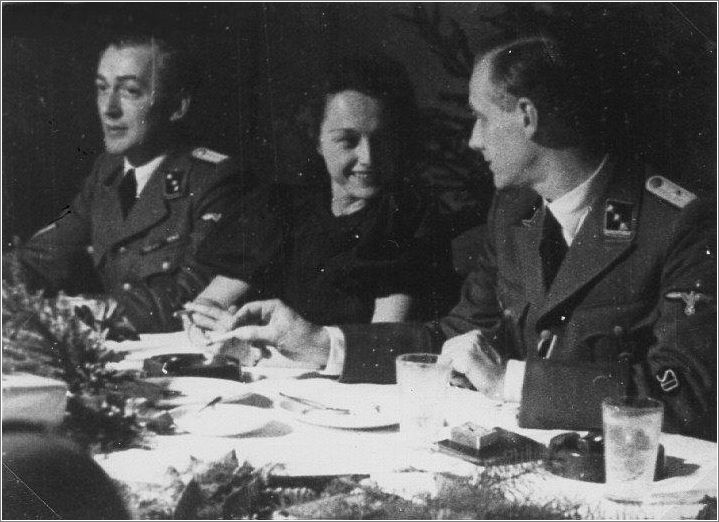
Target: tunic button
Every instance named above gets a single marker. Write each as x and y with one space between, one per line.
165 265
126 286
122 249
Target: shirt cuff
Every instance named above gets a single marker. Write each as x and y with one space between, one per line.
513 380
336 359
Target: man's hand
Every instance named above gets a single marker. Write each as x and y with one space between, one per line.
471 354
273 322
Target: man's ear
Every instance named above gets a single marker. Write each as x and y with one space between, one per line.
182 108
530 116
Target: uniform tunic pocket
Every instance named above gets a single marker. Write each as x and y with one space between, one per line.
160 256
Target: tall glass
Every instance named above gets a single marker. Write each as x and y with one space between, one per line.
423 382
631 441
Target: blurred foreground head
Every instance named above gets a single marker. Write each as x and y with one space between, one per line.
46 477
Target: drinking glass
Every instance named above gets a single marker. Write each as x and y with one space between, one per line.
423 380
631 441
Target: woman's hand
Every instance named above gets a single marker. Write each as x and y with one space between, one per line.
209 316
205 317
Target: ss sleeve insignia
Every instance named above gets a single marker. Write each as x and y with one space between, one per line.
212 216
668 380
691 299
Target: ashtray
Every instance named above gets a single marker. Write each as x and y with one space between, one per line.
582 458
191 365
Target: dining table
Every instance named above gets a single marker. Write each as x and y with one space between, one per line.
280 416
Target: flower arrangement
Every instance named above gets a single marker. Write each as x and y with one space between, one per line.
64 338
227 489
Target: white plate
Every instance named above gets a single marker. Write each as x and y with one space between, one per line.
32 398
151 345
220 420
371 416
195 390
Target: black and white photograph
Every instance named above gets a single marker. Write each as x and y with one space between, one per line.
359 260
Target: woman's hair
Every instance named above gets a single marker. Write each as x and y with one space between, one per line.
381 78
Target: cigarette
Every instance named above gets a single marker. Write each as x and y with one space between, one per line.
217 338
552 344
179 313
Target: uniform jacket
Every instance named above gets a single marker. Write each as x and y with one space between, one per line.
634 264
143 260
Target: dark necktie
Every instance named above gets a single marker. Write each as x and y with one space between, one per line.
552 249
128 191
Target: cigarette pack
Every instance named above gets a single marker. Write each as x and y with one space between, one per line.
473 436
494 446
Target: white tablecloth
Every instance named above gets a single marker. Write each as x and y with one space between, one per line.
307 450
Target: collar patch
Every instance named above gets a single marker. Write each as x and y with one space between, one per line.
532 214
618 219
175 181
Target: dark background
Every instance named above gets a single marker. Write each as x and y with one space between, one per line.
260 61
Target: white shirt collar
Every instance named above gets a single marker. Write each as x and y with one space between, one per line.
143 173
571 208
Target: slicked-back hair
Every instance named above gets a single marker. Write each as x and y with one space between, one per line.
177 72
560 82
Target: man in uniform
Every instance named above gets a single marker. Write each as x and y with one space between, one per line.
595 277
148 201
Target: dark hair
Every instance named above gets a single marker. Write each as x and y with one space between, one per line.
558 79
178 72
379 77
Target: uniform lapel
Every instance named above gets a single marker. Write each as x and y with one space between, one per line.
528 233
107 216
593 250
151 207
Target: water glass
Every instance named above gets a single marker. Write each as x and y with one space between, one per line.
631 441
423 382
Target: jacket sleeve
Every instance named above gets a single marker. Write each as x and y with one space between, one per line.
675 360
370 350
56 257
478 307
150 303
680 365
249 242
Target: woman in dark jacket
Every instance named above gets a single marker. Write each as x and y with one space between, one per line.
359 244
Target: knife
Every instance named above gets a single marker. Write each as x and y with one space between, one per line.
314 404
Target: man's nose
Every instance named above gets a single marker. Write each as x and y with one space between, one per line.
475 140
110 104
364 152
